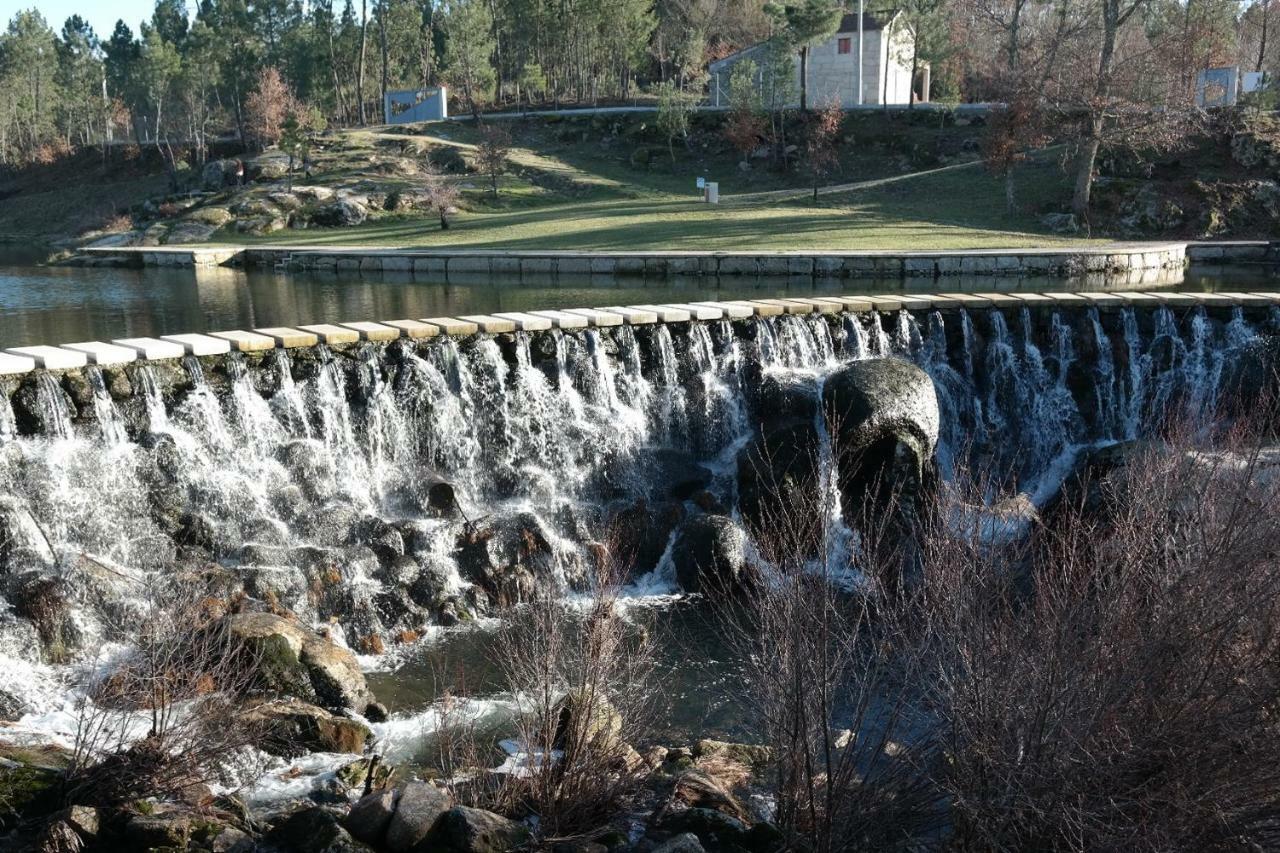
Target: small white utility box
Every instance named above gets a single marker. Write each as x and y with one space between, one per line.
711 193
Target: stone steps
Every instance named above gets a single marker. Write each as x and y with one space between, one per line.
19 360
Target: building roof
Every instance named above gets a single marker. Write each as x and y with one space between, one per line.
848 24
870 21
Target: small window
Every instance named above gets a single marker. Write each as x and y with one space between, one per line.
844 45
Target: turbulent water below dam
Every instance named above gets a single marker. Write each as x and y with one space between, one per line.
347 484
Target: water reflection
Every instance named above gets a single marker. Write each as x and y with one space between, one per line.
65 304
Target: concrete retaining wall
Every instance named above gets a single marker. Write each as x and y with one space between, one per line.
1118 259
1234 252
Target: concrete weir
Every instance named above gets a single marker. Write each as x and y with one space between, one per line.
70 356
1118 259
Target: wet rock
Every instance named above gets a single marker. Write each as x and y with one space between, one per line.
37 409
593 720
507 558
30 781
684 843
780 398
46 601
715 830
755 756
167 829
314 830
292 728
773 465
642 532
23 544
294 661
419 806
468 830
311 467
710 555
883 417
369 817
698 789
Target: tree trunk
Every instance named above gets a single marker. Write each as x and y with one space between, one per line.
1010 202
804 79
382 39
1262 41
1084 170
364 40
1112 19
911 84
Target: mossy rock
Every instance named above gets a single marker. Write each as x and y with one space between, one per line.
754 756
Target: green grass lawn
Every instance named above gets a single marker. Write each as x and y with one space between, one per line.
958 208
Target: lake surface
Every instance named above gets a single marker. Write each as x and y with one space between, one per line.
52 305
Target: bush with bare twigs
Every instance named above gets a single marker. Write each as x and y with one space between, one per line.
165 722
441 196
832 694
578 681
1111 681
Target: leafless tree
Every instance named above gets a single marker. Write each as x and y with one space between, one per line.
442 197
493 151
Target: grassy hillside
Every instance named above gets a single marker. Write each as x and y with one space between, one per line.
580 184
594 183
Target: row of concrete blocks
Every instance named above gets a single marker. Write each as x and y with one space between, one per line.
125 350
1230 253
821 266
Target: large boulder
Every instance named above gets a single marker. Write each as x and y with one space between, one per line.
419 806
292 660
291 728
468 830
371 815
313 830
344 212
710 555
882 415
217 174
189 232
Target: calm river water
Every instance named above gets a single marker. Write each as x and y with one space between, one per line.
51 305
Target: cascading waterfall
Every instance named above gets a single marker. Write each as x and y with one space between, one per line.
8 423
275 464
110 423
53 407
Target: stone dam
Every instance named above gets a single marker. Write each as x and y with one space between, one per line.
383 476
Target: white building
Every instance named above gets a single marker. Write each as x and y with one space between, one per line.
833 65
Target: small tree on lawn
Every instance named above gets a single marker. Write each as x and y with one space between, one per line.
1012 132
493 151
296 134
821 147
267 107
441 197
744 125
674 108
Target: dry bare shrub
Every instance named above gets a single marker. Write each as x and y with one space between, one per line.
582 687
576 677
1112 681
831 692
164 723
